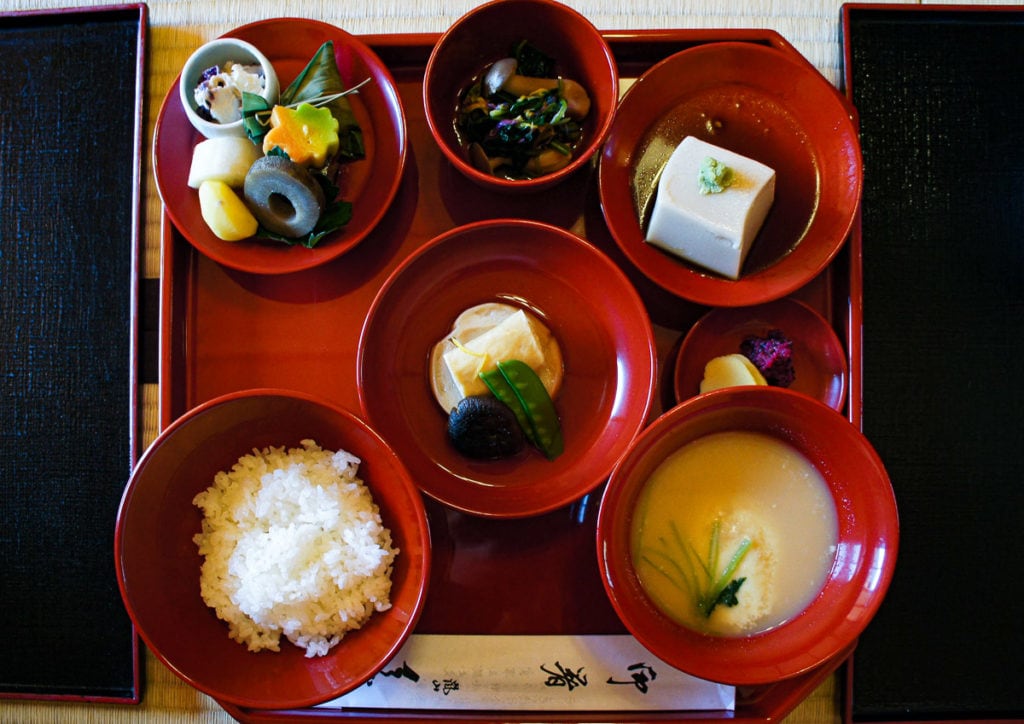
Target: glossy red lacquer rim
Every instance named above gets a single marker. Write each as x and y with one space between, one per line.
796 268
174 138
412 598
861 573
441 131
395 396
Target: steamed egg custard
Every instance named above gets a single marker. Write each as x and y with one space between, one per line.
484 335
734 533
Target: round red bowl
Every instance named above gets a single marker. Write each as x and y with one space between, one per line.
868 537
370 184
763 103
484 35
602 327
819 360
158 564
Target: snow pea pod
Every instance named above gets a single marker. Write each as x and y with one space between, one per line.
537 404
502 390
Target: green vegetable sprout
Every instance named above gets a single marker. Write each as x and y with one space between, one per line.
698 576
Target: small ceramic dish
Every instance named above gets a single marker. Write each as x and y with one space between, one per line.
857 569
370 184
216 54
762 103
486 34
819 361
158 563
594 313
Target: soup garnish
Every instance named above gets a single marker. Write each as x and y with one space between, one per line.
734 533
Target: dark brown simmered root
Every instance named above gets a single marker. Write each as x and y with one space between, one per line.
483 428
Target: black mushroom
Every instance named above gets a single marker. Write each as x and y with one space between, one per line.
502 76
483 428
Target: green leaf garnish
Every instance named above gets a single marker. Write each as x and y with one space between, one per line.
683 566
321 80
320 85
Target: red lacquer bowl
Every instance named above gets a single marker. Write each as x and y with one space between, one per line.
868 537
485 34
369 184
819 361
763 103
158 563
600 323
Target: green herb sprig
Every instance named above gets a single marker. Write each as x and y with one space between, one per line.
684 567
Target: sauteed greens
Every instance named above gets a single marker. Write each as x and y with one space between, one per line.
519 134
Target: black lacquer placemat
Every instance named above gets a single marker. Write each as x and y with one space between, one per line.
940 95
69 152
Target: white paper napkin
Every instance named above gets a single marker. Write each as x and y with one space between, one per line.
533 673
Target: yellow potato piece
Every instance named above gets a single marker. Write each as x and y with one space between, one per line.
731 370
224 212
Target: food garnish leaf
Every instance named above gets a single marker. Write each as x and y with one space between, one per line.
679 561
253 104
531 61
321 79
728 595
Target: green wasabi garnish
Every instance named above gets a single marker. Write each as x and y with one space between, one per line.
714 176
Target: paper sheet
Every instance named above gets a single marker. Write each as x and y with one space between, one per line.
533 673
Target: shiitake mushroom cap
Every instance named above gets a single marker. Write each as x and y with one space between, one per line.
483 428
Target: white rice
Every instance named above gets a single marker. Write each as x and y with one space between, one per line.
293 544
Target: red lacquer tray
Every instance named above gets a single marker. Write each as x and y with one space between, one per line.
223 330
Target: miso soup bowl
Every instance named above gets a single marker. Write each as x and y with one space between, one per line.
862 567
486 34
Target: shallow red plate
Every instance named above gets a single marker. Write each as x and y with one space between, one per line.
818 356
158 564
599 320
763 103
370 184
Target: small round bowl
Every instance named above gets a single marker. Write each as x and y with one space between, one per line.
158 564
484 35
818 357
763 103
868 537
217 53
599 321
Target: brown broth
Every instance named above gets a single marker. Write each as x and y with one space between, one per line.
758 488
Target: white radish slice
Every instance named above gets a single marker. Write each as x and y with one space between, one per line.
226 159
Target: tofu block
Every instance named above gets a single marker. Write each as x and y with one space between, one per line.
514 338
713 230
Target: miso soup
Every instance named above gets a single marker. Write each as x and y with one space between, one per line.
734 533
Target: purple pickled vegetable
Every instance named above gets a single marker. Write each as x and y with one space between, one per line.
772 355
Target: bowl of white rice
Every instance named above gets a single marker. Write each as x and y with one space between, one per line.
272 550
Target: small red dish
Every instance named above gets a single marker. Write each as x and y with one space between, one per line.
158 565
607 344
370 184
486 34
818 357
764 103
865 556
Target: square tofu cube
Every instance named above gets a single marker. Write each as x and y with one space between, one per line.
513 338
713 230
